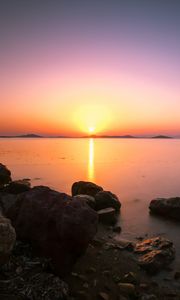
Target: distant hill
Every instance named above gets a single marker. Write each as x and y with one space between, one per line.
30 135
161 137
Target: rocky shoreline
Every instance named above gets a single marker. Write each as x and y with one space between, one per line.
57 246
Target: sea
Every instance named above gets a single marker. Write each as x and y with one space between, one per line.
136 170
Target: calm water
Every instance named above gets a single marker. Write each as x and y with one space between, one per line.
136 170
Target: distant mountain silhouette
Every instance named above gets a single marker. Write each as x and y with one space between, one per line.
161 137
30 135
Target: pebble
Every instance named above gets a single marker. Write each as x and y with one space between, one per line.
127 289
103 296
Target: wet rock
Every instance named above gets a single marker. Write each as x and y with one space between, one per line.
117 229
103 296
169 207
155 254
5 175
127 289
125 244
105 199
177 275
17 187
87 199
7 239
58 226
107 216
149 297
131 277
85 187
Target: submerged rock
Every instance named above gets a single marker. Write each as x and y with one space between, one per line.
86 188
5 175
169 207
155 254
57 225
7 239
105 199
17 187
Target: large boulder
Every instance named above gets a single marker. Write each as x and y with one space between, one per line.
5 175
155 254
105 199
86 188
17 186
57 225
169 207
7 239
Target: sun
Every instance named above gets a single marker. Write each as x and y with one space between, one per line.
91 129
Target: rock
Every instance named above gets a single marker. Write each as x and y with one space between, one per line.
87 199
149 297
127 289
45 286
169 207
103 296
155 254
17 187
107 215
86 188
7 239
131 277
125 244
177 275
105 199
58 226
5 175
117 229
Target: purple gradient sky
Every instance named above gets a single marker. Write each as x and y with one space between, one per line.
70 65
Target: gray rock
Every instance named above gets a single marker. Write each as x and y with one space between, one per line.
7 239
17 187
105 199
5 175
89 200
107 216
169 207
155 254
86 188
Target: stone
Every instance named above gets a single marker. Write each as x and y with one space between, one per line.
17 187
7 239
127 289
177 275
89 200
85 187
107 215
155 254
131 277
117 229
5 175
169 207
149 297
105 199
58 226
103 296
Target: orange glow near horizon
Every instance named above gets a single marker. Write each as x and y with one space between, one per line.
91 176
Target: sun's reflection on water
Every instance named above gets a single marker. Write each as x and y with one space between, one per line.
91 160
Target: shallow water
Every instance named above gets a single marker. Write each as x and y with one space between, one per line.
137 170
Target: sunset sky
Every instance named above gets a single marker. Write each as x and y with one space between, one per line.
69 67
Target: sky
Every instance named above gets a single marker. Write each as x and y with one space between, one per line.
106 67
